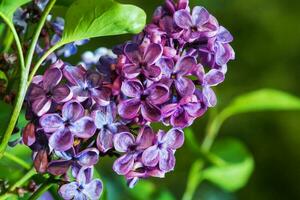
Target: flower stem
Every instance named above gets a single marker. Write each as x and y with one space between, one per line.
17 160
41 190
213 128
194 179
41 60
24 75
25 178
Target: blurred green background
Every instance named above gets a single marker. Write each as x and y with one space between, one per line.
267 49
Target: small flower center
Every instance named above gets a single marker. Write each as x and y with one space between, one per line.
194 28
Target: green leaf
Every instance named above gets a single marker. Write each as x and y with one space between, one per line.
64 2
95 18
262 100
238 167
8 7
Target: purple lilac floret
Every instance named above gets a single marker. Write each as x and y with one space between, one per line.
106 105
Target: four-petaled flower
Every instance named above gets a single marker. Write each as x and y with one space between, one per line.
87 85
133 147
72 122
83 188
142 100
162 152
199 24
86 158
48 90
142 60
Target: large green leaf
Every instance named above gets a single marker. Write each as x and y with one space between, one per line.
237 169
95 18
261 100
8 7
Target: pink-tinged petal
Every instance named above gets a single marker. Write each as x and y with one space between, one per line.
93 190
132 52
102 97
129 108
184 86
181 119
209 96
158 94
182 4
41 106
36 92
195 109
174 138
169 109
88 157
183 19
85 175
62 93
37 80
210 29
152 72
214 77
123 164
224 35
185 66
61 140
167 24
167 66
131 71
79 94
132 88
72 111
51 122
200 16
51 78
153 53
105 140
166 160
199 73
100 118
59 167
150 112
150 156
58 64
75 75
224 54
83 128
145 137
170 6
123 141
69 191
156 173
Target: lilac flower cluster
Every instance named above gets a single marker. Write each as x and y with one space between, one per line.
79 114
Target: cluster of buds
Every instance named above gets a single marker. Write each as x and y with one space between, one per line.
79 114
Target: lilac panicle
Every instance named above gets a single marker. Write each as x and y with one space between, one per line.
105 106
